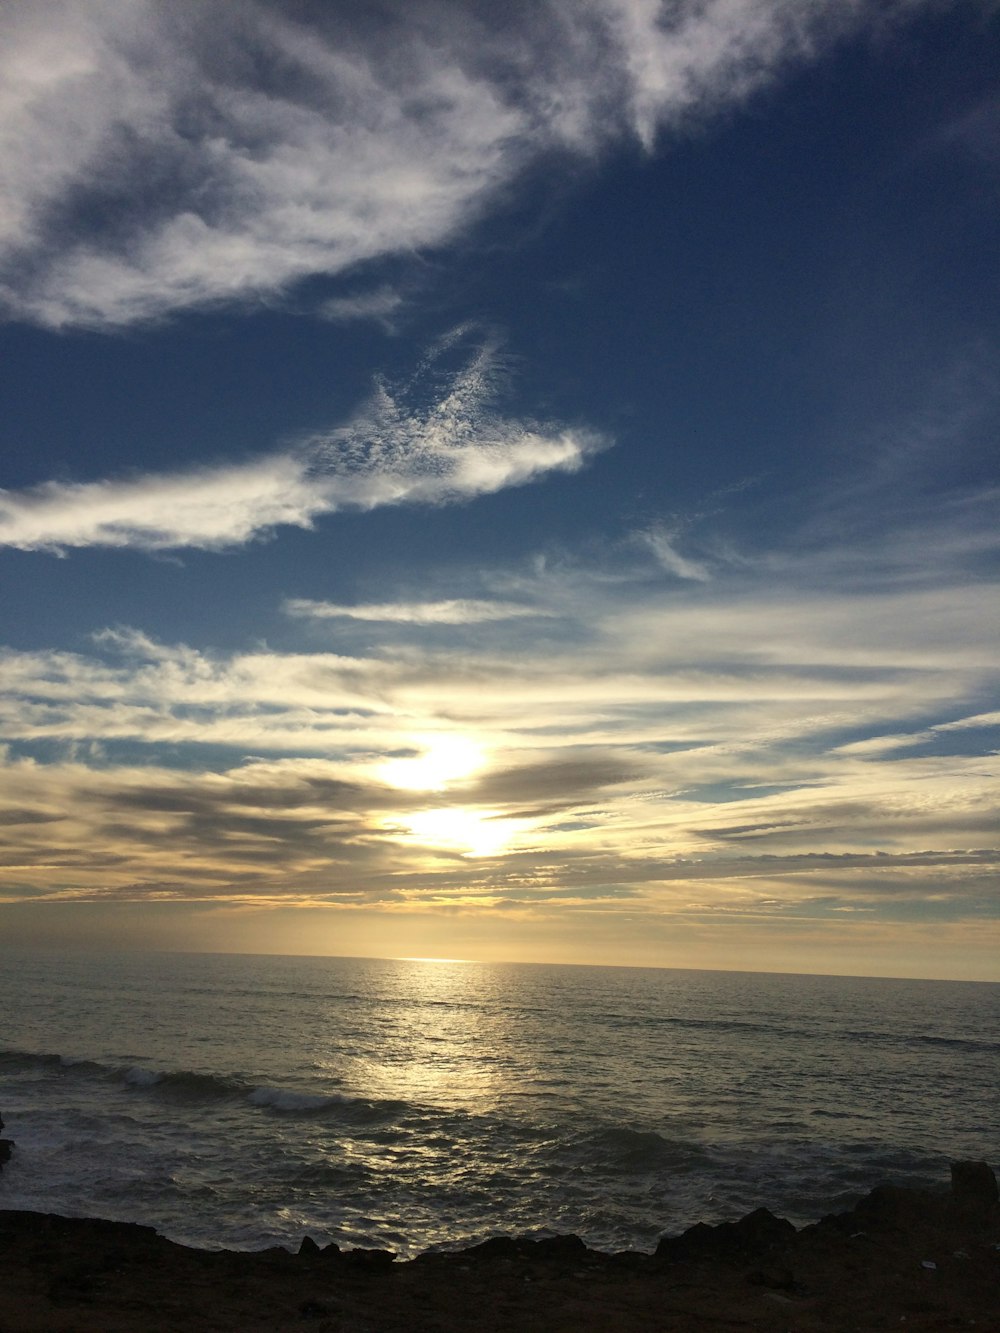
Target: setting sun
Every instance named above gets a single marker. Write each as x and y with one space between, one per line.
444 759
472 832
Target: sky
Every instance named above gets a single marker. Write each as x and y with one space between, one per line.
502 481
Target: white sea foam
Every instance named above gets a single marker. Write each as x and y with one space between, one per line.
142 1078
281 1099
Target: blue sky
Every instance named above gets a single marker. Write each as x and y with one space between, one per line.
506 485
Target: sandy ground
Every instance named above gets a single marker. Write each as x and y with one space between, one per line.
902 1260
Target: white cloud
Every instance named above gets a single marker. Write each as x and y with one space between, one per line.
663 543
970 723
378 305
158 155
204 507
719 683
881 744
454 611
391 453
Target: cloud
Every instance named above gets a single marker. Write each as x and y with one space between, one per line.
205 507
663 543
393 452
454 611
761 743
161 155
379 306
297 830
904 740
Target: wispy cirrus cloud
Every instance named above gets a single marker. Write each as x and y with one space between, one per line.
452 611
392 452
662 541
274 142
911 739
380 306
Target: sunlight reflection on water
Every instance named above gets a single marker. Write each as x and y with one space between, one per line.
411 1102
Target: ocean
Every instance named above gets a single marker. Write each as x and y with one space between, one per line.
245 1101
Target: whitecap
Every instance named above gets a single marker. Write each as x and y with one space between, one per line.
281 1099
142 1078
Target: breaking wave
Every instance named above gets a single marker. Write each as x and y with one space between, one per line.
198 1088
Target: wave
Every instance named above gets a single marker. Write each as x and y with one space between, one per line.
16 1061
622 1149
741 1026
187 1085
184 1084
283 1099
976 1044
347 1110
195 1087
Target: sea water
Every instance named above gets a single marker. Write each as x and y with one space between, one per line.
244 1101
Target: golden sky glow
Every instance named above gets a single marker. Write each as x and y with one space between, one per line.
515 481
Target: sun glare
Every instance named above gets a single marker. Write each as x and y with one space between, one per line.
409 958
444 759
472 832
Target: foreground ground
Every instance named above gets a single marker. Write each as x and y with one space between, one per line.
903 1260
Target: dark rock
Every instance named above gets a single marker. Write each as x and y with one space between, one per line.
53 1233
312 1309
309 1249
71 1286
774 1279
497 1247
750 1237
369 1258
634 1261
559 1247
548 1248
890 1208
973 1186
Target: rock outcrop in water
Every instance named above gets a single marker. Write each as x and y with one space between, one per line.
921 1260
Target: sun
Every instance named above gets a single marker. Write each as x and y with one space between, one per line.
471 832
444 759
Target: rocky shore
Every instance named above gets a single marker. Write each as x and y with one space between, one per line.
901 1259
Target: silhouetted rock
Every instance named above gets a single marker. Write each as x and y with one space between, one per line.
313 1309
309 1249
548 1248
749 1238
497 1247
558 1247
973 1185
890 1207
775 1279
369 1258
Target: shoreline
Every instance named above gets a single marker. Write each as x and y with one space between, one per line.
917 1259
